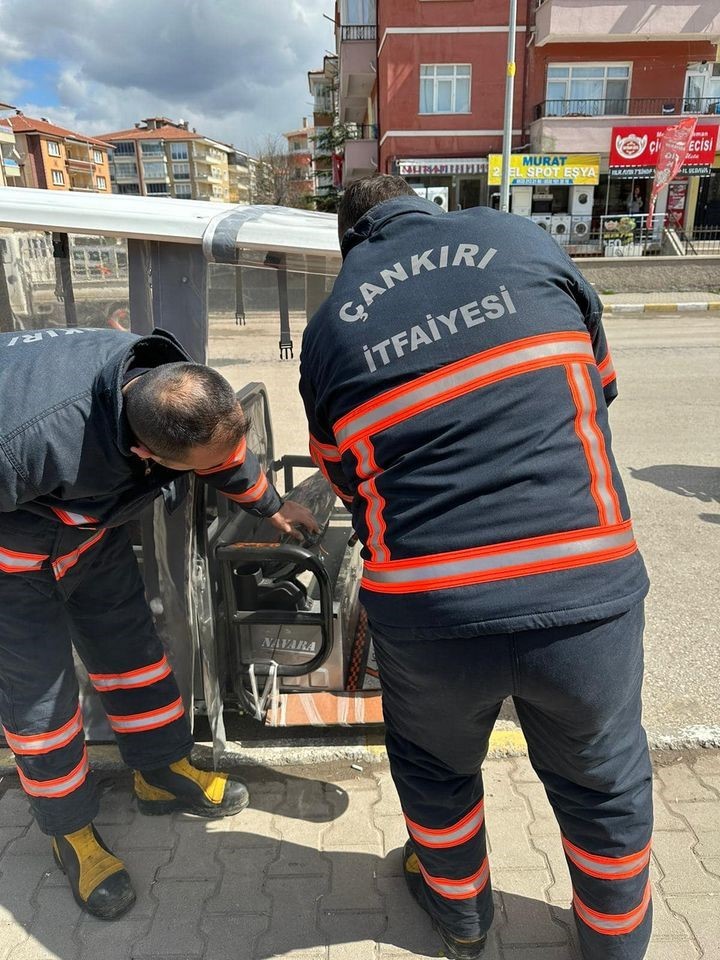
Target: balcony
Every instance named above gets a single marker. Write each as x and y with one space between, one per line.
78 163
585 21
11 167
361 153
583 126
358 62
6 133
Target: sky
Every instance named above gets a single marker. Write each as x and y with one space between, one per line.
235 69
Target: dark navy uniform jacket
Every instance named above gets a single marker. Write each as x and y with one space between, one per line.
65 441
456 384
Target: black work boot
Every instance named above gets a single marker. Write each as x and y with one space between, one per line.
98 880
183 787
454 947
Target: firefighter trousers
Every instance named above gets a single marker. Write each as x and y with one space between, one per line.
577 693
91 597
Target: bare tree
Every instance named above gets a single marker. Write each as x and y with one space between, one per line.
273 172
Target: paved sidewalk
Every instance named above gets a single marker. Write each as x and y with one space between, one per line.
312 871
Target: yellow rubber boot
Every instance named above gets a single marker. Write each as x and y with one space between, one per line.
98 880
183 787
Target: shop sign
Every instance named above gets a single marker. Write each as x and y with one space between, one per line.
555 169
442 168
634 150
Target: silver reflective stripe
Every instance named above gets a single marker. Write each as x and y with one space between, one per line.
59 787
15 561
613 923
136 678
622 867
452 836
459 889
599 465
462 378
64 563
45 742
147 721
454 565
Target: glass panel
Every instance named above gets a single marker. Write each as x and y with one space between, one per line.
179 151
618 71
558 72
444 96
152 149
124 149
585 72
154 170
616 97
462 70
426 96
445 70
556 91
583 90
426 71
462 96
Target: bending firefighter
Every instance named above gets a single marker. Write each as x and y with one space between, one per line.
456 384
94 425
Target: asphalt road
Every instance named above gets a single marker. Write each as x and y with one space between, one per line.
666 426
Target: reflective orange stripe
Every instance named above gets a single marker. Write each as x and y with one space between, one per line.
61 786
255 493
236 459
368 470
142 677
593 443
613 924
607 868
502 561
319 460
459 889
451 836
13 561
326 451
459 378
68 561
74 519
606 370
33 744
150 720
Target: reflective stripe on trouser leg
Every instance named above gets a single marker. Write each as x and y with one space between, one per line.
116 639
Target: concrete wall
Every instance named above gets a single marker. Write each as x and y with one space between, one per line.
652 274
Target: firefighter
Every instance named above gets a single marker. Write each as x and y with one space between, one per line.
456 384
94 425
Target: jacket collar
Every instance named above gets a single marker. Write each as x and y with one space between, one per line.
153 351
383 213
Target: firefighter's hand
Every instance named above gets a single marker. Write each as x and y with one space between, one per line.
293 515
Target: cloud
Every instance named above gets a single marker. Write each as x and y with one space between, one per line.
236 69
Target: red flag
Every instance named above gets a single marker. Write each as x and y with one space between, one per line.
673 149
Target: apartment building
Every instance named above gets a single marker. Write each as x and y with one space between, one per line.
301 147
10 172
242 175
161 158
607 79
53 158
323 88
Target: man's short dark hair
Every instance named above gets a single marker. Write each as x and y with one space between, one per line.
362 195
177 406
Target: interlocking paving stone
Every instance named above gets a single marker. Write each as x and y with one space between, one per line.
679 783
51 934
111 941
293 924
703 915
14 809
232 937
682 872
175 928
241 889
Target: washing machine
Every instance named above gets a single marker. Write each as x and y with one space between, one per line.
543 220
580 230
560 227
581 200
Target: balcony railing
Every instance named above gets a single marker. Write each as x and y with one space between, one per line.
85 164
362 131
628 107
357 31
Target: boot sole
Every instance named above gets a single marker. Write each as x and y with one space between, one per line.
110 914
157 808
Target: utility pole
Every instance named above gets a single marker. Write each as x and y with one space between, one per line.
507 125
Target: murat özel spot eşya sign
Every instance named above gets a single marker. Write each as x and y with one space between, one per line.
634 150
549 169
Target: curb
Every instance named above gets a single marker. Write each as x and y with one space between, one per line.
693 307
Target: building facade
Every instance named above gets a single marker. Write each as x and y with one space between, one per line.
301 147
53 158
160 158
323 89
10 171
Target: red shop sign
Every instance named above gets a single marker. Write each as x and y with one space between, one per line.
634 150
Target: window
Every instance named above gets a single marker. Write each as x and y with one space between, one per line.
181 171
125 169
152 148
183 191
154 170
53 148
358 12
57 178
132 189
445 88
702 88
101 183
98 157
179 151
125 149
158 188
587 90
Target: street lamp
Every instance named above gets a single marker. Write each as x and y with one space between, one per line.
507 124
